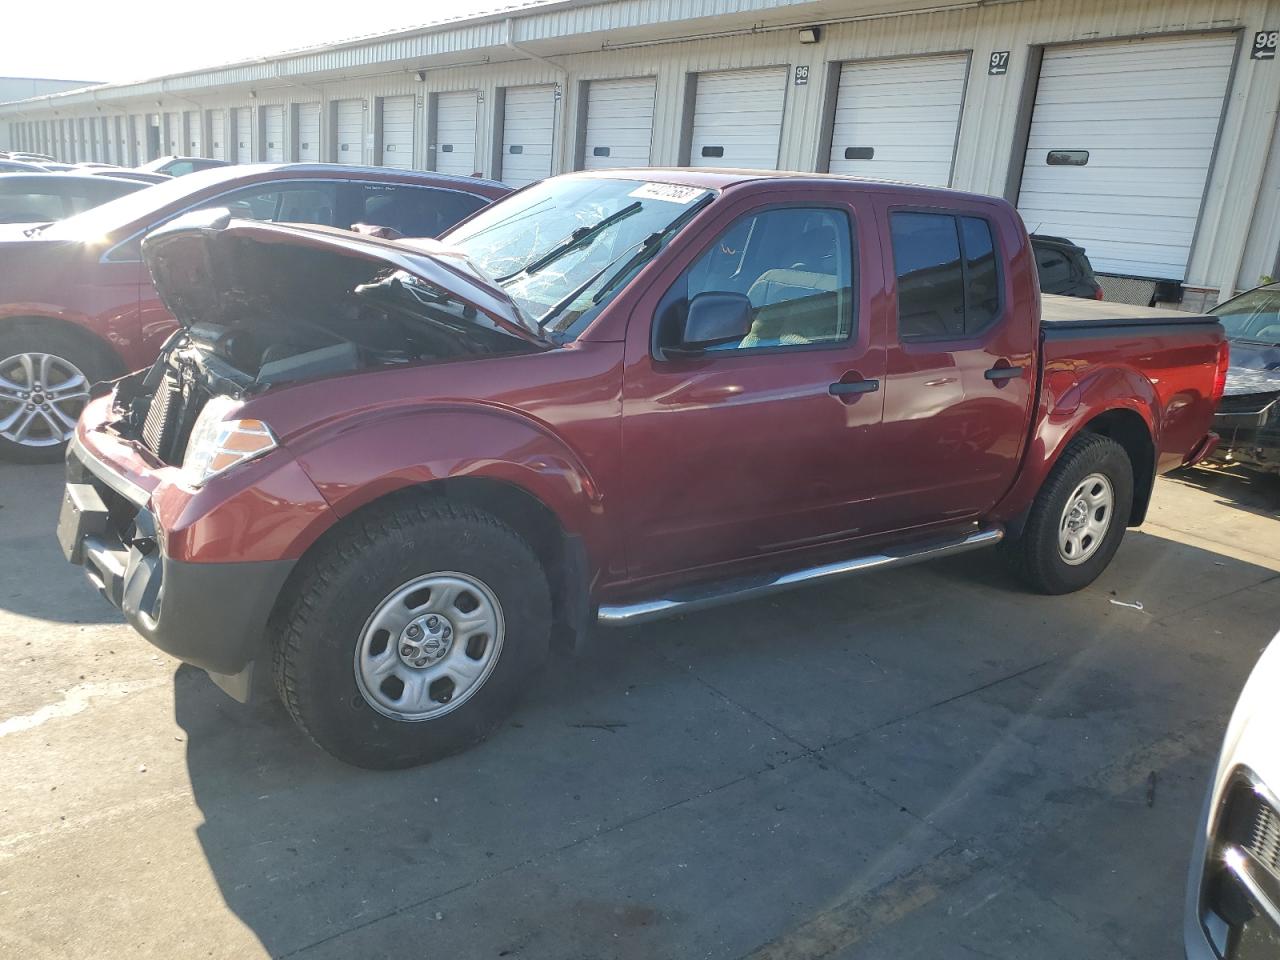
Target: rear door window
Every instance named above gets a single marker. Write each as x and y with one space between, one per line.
948 278
1054 270
31 207
311 202
412 211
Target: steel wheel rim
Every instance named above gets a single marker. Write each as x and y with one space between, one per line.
429 646
1086 518
41 396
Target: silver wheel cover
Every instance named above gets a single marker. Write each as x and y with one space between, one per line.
1086 519
429 646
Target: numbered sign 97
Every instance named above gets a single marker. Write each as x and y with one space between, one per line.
998 65
1264 45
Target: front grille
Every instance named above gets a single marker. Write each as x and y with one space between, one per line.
163 417
1246 403
1259 826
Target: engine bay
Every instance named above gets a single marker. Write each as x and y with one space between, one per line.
259 316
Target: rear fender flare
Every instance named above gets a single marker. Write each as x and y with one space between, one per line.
1102 393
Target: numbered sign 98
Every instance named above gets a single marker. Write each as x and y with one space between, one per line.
1264 45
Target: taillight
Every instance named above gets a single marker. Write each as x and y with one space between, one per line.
1097 293
1220 375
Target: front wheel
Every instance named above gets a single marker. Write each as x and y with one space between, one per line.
1078 518
412 636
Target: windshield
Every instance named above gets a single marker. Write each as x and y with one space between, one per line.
1252 316
104 220
562 246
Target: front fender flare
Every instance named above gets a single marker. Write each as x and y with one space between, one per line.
365 458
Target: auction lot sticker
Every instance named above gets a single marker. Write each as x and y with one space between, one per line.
670 192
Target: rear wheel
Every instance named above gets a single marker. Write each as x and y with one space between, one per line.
1078 518
412 637
45 377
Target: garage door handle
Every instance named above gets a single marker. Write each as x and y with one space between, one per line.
1003 373
841 389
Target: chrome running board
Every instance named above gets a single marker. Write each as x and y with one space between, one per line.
689 599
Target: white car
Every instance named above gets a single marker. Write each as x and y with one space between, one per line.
1233 897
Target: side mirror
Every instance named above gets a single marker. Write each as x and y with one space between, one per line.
714 318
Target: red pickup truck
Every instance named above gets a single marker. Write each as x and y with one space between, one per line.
386 474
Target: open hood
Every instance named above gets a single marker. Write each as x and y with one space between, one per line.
203 271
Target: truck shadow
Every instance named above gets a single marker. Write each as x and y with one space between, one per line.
1253 492
1023 727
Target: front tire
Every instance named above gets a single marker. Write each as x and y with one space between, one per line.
412 636
1078 518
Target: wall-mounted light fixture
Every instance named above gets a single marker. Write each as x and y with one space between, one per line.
422 76
810 34
253 94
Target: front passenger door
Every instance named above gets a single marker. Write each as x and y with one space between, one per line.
762 444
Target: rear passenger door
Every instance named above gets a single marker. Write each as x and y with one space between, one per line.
960 371
767 443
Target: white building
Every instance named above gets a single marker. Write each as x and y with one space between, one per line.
1146 131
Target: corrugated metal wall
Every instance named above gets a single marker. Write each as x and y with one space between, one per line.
994 113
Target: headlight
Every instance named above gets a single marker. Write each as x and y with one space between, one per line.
218 444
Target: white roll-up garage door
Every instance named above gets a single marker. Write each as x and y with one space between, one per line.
898 119
455 136
195 134
273 122
619 123
397 132
173 135
1121 141
350 142
244 134
309 132
737 119
218 134
528 130
138 133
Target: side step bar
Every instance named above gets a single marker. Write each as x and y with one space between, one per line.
687 600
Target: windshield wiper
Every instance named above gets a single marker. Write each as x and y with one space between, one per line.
38 228
573 241
648 244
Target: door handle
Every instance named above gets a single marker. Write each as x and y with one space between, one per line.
1003 373
842 389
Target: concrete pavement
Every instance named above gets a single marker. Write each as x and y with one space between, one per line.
927 762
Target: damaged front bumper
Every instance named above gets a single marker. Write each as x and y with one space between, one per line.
211 615
1249 427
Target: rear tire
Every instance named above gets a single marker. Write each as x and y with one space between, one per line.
357 665
45 375
1078 518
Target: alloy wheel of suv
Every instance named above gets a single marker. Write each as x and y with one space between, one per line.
41 396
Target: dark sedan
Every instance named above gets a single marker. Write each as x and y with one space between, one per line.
46 197
98 313
1064 268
